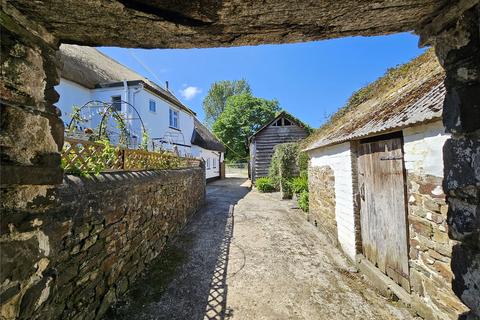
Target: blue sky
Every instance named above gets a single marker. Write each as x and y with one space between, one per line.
310 80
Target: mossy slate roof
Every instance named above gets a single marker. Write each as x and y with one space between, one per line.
408 97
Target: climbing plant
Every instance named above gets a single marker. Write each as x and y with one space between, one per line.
111 124
288 169
284 163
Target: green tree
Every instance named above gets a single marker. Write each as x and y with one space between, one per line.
217 96
242 116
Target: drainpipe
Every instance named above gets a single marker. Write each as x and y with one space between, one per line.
134 93
133 104
125 92
125 110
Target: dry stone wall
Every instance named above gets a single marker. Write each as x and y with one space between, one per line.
71 253
321 182
430 249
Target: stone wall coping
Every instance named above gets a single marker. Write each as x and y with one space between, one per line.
73 184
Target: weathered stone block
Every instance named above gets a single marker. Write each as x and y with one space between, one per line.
18 259
90 258
322 200
420 226
464 220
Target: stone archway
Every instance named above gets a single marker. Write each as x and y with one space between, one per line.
32 133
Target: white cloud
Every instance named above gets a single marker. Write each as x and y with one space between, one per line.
190 92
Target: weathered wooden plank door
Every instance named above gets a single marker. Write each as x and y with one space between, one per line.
383 210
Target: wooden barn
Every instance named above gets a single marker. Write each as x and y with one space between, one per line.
283 128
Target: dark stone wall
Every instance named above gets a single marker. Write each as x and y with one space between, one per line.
69 253
214 23
457 44
31 130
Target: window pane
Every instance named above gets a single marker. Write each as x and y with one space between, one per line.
153 106
117 103
173 118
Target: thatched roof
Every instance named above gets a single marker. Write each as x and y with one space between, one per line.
202 137
91 68
410 94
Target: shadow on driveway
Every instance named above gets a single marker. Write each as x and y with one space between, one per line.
188 279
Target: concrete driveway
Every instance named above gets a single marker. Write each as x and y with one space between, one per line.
264 261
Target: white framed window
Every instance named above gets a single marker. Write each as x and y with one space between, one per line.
174 119
208 163
117 103
214 163
152 106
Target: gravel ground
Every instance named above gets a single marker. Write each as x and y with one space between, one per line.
261 260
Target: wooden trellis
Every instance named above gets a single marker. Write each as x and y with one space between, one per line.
90 157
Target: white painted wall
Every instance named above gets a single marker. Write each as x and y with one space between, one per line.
423 148
339 158
157 123
422 155
212 160
71 94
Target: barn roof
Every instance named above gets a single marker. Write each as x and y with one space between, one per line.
202 137
91 68
281 114
410 94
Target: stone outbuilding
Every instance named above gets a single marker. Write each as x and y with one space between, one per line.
375 180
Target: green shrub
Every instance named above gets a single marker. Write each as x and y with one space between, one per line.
300 184
286 189
303 161
284 161
265 184
303 201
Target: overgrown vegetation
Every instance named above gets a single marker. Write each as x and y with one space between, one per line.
243 115
393 79
303 201
300 183
216 99
100 153
284 164
265 184
288 172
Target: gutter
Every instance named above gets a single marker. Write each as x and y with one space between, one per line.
146 86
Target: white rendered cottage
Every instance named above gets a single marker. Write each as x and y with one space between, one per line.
375 180
210 149
89 75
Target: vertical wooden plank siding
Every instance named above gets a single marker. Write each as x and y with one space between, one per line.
266 140
383 210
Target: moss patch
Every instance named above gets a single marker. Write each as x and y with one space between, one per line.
155 281
390 84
